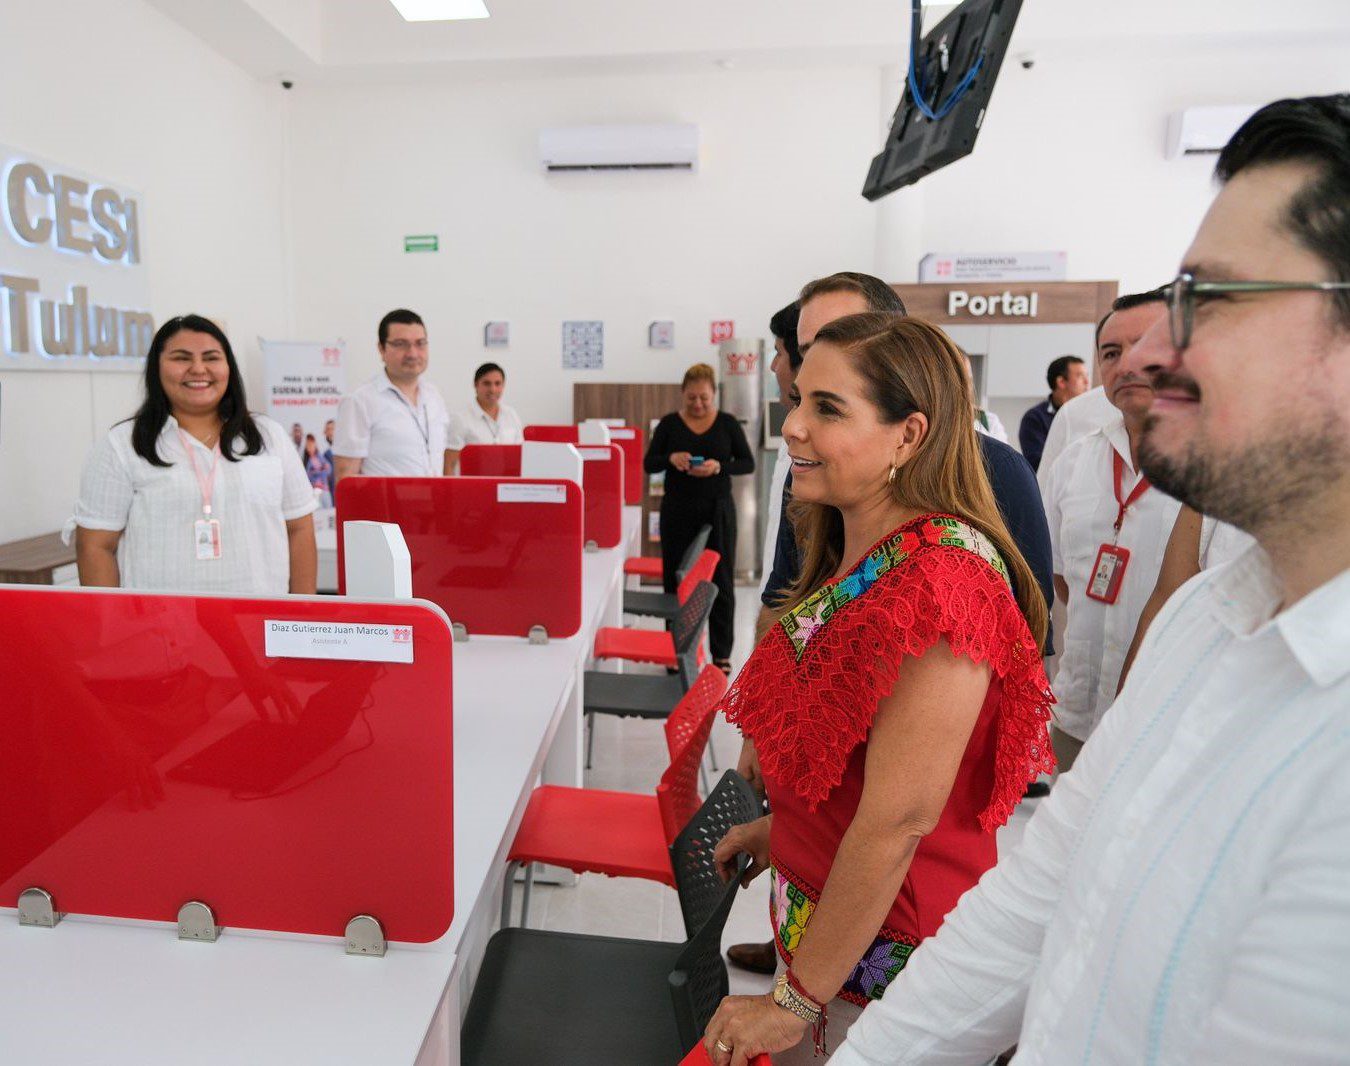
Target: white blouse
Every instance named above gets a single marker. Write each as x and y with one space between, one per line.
156 509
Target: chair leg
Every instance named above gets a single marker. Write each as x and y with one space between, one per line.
525 898
590 737
703 776
712 757
508 890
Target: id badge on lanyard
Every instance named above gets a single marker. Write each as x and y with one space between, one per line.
1108 572
206 529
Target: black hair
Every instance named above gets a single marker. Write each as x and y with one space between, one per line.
880 297
1313 130
783 325
1124 303
487 368
148 421
403 317
1059 369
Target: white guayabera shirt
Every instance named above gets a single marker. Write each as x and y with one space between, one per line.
1183 896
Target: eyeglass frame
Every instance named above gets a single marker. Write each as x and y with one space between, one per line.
401 345
1181 291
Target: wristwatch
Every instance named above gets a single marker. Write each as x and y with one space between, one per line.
790 999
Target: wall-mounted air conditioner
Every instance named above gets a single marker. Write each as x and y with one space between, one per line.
1204 130
668 147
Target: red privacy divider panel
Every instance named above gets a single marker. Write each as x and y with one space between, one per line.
490 460
630 439
566 434
152 753
602 478
498 555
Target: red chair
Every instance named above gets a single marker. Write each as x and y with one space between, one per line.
666 605
663 647
699 1057
622 834
650 566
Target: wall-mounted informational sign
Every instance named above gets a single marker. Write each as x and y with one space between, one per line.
422 242
994 266
661 334
583 345
722 329
497 335
74 290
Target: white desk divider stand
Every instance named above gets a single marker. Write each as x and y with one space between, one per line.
541 459
592 432
378 566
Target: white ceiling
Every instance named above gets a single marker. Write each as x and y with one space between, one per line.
327 41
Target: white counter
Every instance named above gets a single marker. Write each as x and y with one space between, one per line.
116 992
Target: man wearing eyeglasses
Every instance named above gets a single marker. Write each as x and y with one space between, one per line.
1108 532
396 424
1183 896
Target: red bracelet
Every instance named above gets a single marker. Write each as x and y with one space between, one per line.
818 1029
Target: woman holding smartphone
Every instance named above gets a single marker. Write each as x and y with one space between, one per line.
700 449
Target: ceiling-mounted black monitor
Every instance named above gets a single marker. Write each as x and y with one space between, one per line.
949 81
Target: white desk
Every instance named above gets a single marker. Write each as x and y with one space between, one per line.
117 992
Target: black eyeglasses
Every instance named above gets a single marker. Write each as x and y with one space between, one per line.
1183 294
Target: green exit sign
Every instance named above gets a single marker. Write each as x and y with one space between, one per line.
422 242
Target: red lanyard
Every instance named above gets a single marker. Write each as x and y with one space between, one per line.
1141 487
207 483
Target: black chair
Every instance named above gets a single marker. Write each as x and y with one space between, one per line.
643 603
569 998
648 696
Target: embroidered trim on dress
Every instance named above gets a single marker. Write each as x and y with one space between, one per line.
792 902
811 688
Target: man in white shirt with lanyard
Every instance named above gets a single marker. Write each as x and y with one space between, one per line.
1108 532
485 419
396 424
1183 896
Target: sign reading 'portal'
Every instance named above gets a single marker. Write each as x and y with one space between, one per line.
73 286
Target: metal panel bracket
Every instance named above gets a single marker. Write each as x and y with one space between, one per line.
460 631
365 937
592 546
36 908
538 635
196 921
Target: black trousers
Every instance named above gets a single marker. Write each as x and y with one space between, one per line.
681 519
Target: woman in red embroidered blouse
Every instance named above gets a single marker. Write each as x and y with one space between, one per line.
899 707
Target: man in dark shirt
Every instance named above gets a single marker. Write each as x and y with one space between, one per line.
1067 377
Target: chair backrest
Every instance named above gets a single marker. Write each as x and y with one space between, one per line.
692 552
699 979
687 731
686 629
703 569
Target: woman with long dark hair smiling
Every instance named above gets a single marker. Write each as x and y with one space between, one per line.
899 707
194 493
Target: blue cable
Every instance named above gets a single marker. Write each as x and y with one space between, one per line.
915 92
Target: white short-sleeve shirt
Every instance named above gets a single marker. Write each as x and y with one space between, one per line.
156 509
1074 420
392 437
1081 509
471 425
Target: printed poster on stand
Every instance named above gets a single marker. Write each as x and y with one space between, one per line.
304 382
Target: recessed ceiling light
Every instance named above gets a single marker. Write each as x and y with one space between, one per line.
440 10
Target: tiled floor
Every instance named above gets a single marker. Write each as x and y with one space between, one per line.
630 755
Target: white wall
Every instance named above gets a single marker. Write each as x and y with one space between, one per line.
775 203
1071 153
140 101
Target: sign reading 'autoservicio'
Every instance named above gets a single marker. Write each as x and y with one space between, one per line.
351 641
74 288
